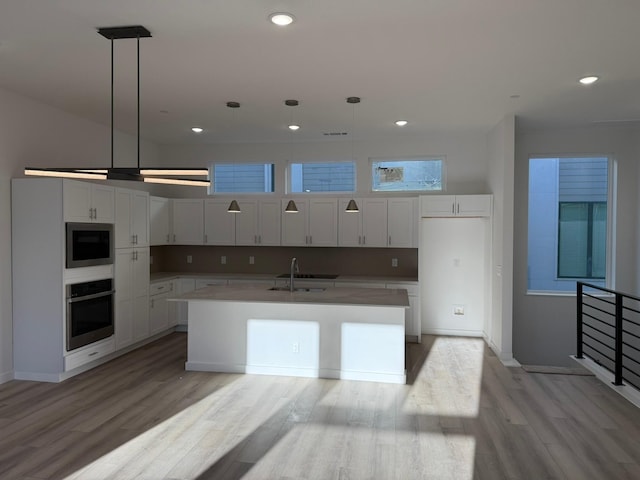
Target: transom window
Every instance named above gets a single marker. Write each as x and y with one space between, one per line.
414 175
242 178
322 177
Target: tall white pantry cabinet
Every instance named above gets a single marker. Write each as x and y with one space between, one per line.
40 208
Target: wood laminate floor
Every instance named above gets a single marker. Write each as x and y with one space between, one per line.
463 416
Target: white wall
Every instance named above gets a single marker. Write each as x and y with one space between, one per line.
544 327
498 330
36 135
466 159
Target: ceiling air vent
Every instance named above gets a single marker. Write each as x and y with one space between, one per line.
334 134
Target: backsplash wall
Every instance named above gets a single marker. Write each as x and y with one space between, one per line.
276 260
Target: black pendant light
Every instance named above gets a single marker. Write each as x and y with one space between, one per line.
149 175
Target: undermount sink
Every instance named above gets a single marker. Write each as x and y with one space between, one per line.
287 289
319 276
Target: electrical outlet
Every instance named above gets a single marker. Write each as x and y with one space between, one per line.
252 260
189 259
223 260
394 262
458 309
295 347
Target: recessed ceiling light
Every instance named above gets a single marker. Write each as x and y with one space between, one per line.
281 19
197 129
294 127
588 80
401 123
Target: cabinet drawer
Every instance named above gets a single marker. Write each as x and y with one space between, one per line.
158 288
89 353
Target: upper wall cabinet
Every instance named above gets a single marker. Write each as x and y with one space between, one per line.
366 228
455 205
315 224
132 218
381 222
88 202
258 222
159 221
219 224
188 221
402 222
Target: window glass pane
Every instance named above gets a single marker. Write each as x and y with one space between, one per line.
242 178
406 175
572 249
323 177
568 222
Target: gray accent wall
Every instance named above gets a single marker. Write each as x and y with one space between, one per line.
544 326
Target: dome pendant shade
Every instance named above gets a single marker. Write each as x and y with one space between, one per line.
234 207
352 206
291 207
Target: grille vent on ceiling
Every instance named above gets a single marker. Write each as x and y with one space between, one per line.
333 134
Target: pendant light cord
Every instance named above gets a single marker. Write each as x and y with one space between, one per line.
112 103
138 95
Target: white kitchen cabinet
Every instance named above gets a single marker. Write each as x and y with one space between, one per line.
366 228
132 296
88 202
219 224
131 218
159 308
402 222
188 221
258 223
184 285
455 205
315 224
159 221
413 324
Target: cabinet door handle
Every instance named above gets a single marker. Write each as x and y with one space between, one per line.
136 255
136 238
260 239
359 239
151 302
168 240
174 238
453 208
92 354
389 239
310 240
458 209
364 239
255 239
205 239
95 213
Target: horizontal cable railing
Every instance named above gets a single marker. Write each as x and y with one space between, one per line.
609 331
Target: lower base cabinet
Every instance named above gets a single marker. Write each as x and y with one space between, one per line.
161 310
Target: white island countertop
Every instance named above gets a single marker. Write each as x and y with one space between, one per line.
378 297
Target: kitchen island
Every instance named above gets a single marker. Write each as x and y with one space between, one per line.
344 333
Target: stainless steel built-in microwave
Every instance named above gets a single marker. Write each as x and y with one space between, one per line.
89 244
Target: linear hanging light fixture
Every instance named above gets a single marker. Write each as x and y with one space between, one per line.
169 176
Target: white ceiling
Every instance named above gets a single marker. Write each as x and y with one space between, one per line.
442 65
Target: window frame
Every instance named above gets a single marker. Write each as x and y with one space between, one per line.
609 279
289 177
212 192
443 173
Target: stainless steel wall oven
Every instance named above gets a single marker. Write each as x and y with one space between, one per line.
90 312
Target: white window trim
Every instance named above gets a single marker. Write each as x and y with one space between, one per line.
443 178
612 169
287 173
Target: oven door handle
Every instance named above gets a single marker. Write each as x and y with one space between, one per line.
90 297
